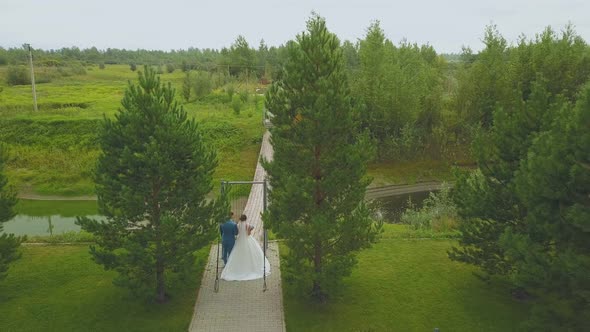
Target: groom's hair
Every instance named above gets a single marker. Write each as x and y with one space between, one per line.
231 214
243 217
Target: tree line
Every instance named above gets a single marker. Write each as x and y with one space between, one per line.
526 209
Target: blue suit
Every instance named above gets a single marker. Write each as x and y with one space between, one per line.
228 231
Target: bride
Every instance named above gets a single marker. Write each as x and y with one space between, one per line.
246 259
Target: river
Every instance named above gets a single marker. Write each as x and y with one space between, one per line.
38 217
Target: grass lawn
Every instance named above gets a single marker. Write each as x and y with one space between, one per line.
408 285
59 288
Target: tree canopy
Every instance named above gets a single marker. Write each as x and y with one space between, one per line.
318 174
151 181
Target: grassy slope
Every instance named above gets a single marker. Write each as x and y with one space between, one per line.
408 172
49 171
59 288
408 285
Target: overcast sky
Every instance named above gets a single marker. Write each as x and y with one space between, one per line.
179 24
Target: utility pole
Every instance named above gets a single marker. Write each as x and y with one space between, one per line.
32 78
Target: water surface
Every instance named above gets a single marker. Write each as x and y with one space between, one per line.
36 217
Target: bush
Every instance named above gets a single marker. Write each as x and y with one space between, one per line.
186 86
132 66
73 69
219 79
236 104
244 96
66 237
185 66
202 84
101 65
230 89
170 68
438 213
223 135
61 134
17 75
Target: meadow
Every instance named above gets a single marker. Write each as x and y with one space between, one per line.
53 151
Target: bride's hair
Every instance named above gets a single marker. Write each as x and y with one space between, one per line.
243 217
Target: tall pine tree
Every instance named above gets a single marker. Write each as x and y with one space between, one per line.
552 254
542 76
8 242
318 175
487 199
151 181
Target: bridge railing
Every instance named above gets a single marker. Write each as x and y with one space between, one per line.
266 118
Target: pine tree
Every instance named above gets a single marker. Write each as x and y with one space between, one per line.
485 84
187 86
8 242
318 174
552 254
151 181
487 199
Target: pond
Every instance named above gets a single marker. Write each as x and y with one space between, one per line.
392 207
56 217
48 217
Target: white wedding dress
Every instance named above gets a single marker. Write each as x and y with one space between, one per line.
246 260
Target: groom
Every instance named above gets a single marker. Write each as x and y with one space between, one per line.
228 231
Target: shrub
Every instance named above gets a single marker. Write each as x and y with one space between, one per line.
17 75
170 68
438 213
101 65
186 86
230 89
185 66
202 84
244 96
73 69
236 104
66 237
132 66
219 79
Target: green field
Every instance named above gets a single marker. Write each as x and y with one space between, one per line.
403 284
54 150
59 288
400 284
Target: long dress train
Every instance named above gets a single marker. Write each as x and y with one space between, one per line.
246 260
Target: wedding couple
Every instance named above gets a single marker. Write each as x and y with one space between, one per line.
242 255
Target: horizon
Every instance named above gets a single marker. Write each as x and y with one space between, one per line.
447 27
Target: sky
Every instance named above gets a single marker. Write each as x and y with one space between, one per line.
179 24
